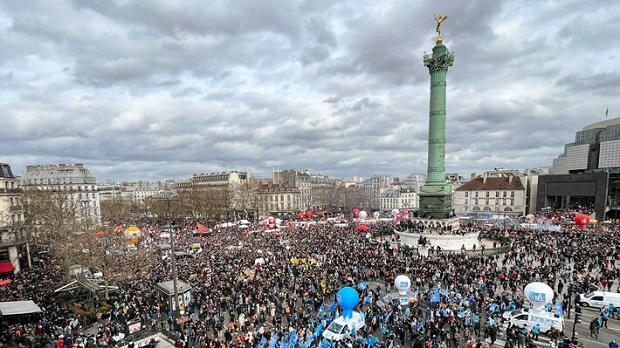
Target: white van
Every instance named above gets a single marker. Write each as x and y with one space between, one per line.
547 320
340 327
599 299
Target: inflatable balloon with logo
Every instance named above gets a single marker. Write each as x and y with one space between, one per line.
582 221
347 299
538 295
402 283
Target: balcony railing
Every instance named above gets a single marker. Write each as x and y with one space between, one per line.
10 190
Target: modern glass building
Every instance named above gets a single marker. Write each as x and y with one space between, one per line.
587 173
596 146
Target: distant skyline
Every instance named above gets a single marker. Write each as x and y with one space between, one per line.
155 90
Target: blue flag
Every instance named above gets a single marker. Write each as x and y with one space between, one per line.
387 317
436 296
367 299
293 339
362 285
559 310
274 341
263 341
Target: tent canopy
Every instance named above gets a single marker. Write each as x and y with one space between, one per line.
18 307
6 267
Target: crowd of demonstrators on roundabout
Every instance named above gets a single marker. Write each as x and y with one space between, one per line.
288 299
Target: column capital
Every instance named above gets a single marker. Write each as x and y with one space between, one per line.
439 63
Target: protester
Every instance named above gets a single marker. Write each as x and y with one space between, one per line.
289 296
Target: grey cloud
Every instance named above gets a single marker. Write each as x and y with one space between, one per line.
139 90
187 92
604 84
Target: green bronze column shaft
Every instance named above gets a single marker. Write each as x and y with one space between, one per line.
436 172
436 194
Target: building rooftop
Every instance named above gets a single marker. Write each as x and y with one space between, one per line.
54 174
603 124
5 171
506 183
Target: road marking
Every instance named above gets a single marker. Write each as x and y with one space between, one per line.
596 342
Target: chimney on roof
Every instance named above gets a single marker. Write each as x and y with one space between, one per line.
484 178
510 179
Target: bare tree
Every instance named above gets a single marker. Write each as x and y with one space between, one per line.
247 198
115 211
53 217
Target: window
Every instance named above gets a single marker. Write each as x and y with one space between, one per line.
496 193
504 194
597 298
476 194
466 201
512 194
487 195
466 194
487 201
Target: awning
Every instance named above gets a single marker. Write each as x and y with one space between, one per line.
6 267
18 307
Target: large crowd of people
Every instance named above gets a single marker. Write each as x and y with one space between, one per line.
287 298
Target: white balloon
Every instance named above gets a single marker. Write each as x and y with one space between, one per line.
538 294
402 283
363 214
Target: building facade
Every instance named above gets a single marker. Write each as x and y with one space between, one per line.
373 188
299 179
414 182
493 194
399 198
316 192
280 200
76 181
596 146
14 236
587 173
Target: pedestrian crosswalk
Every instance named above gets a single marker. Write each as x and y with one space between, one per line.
543 340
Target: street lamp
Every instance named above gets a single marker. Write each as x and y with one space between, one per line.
175 313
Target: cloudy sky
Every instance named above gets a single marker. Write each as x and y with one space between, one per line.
164 89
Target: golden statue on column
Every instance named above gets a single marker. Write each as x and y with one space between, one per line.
439 20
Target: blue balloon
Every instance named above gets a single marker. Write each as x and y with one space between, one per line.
347 298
